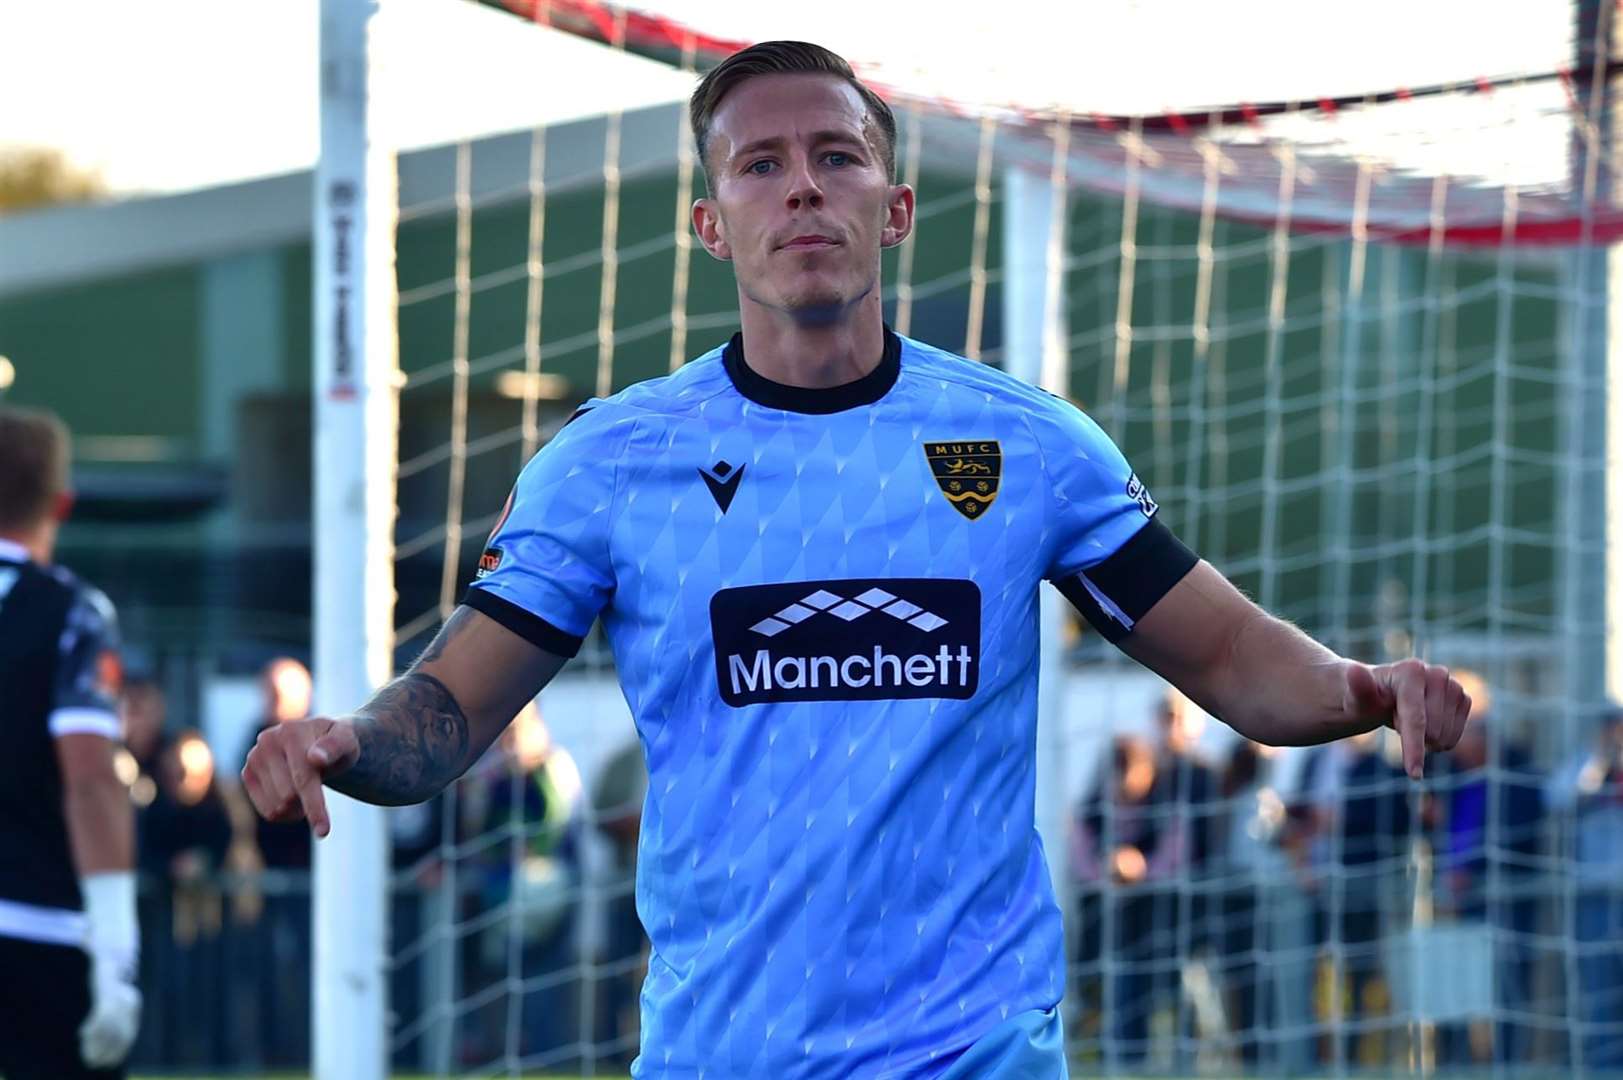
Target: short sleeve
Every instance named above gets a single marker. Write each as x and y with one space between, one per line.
89 672
1099 502
1108 555
546 571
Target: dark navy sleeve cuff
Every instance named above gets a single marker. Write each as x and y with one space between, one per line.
526 624
1119 591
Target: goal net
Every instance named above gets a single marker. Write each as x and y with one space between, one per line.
1340 291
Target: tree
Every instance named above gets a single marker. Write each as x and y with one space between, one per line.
35 176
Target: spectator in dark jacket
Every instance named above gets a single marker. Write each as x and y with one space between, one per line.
1356 832
1128 849
185 835
288 693
1491 814
1589 789
280 863
1187 792
143 713
186 832
527 790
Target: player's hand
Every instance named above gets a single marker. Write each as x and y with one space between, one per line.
1422 702
284 770
114 1020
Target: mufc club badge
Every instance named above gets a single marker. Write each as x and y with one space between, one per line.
967 471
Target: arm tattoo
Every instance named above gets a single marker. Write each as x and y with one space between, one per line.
414 741
413 734
454 625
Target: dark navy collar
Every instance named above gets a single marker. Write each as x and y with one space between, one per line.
819 400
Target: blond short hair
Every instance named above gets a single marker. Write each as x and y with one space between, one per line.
784 58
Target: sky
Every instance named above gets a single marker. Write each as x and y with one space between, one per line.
168 95
1148 56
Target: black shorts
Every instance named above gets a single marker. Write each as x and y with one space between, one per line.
44 997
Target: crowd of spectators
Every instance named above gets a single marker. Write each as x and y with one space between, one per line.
1248 906
490 904
1283 919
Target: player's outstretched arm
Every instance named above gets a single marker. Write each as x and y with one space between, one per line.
415 736
1272 683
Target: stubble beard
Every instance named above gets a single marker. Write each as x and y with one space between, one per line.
817 304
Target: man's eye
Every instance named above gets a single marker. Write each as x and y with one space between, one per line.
837 159
759 168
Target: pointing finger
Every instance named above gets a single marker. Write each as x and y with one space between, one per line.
1438 718
1411 718
311 798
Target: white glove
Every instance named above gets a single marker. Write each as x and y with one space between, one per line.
113 943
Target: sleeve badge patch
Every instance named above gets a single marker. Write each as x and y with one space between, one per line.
1141 495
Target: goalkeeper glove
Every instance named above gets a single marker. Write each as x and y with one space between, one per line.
113 943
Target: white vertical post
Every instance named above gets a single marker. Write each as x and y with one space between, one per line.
1593 412
1034 349
355 416
1593 595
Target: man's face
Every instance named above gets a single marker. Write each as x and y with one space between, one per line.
801 201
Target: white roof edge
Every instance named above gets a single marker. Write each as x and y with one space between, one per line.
68 244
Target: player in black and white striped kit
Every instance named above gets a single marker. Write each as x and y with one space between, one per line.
69 1007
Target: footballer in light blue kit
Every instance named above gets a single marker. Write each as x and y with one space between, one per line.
817 553
823 609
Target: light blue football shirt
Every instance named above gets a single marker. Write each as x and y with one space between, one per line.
823 609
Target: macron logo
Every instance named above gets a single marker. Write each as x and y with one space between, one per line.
722 480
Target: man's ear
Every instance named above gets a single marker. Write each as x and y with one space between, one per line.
711 230
898 216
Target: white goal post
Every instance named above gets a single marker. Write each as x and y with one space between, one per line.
354 383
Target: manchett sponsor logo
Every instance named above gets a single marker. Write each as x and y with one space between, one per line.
832 640
833 672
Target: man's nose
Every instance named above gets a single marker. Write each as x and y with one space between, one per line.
803 187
